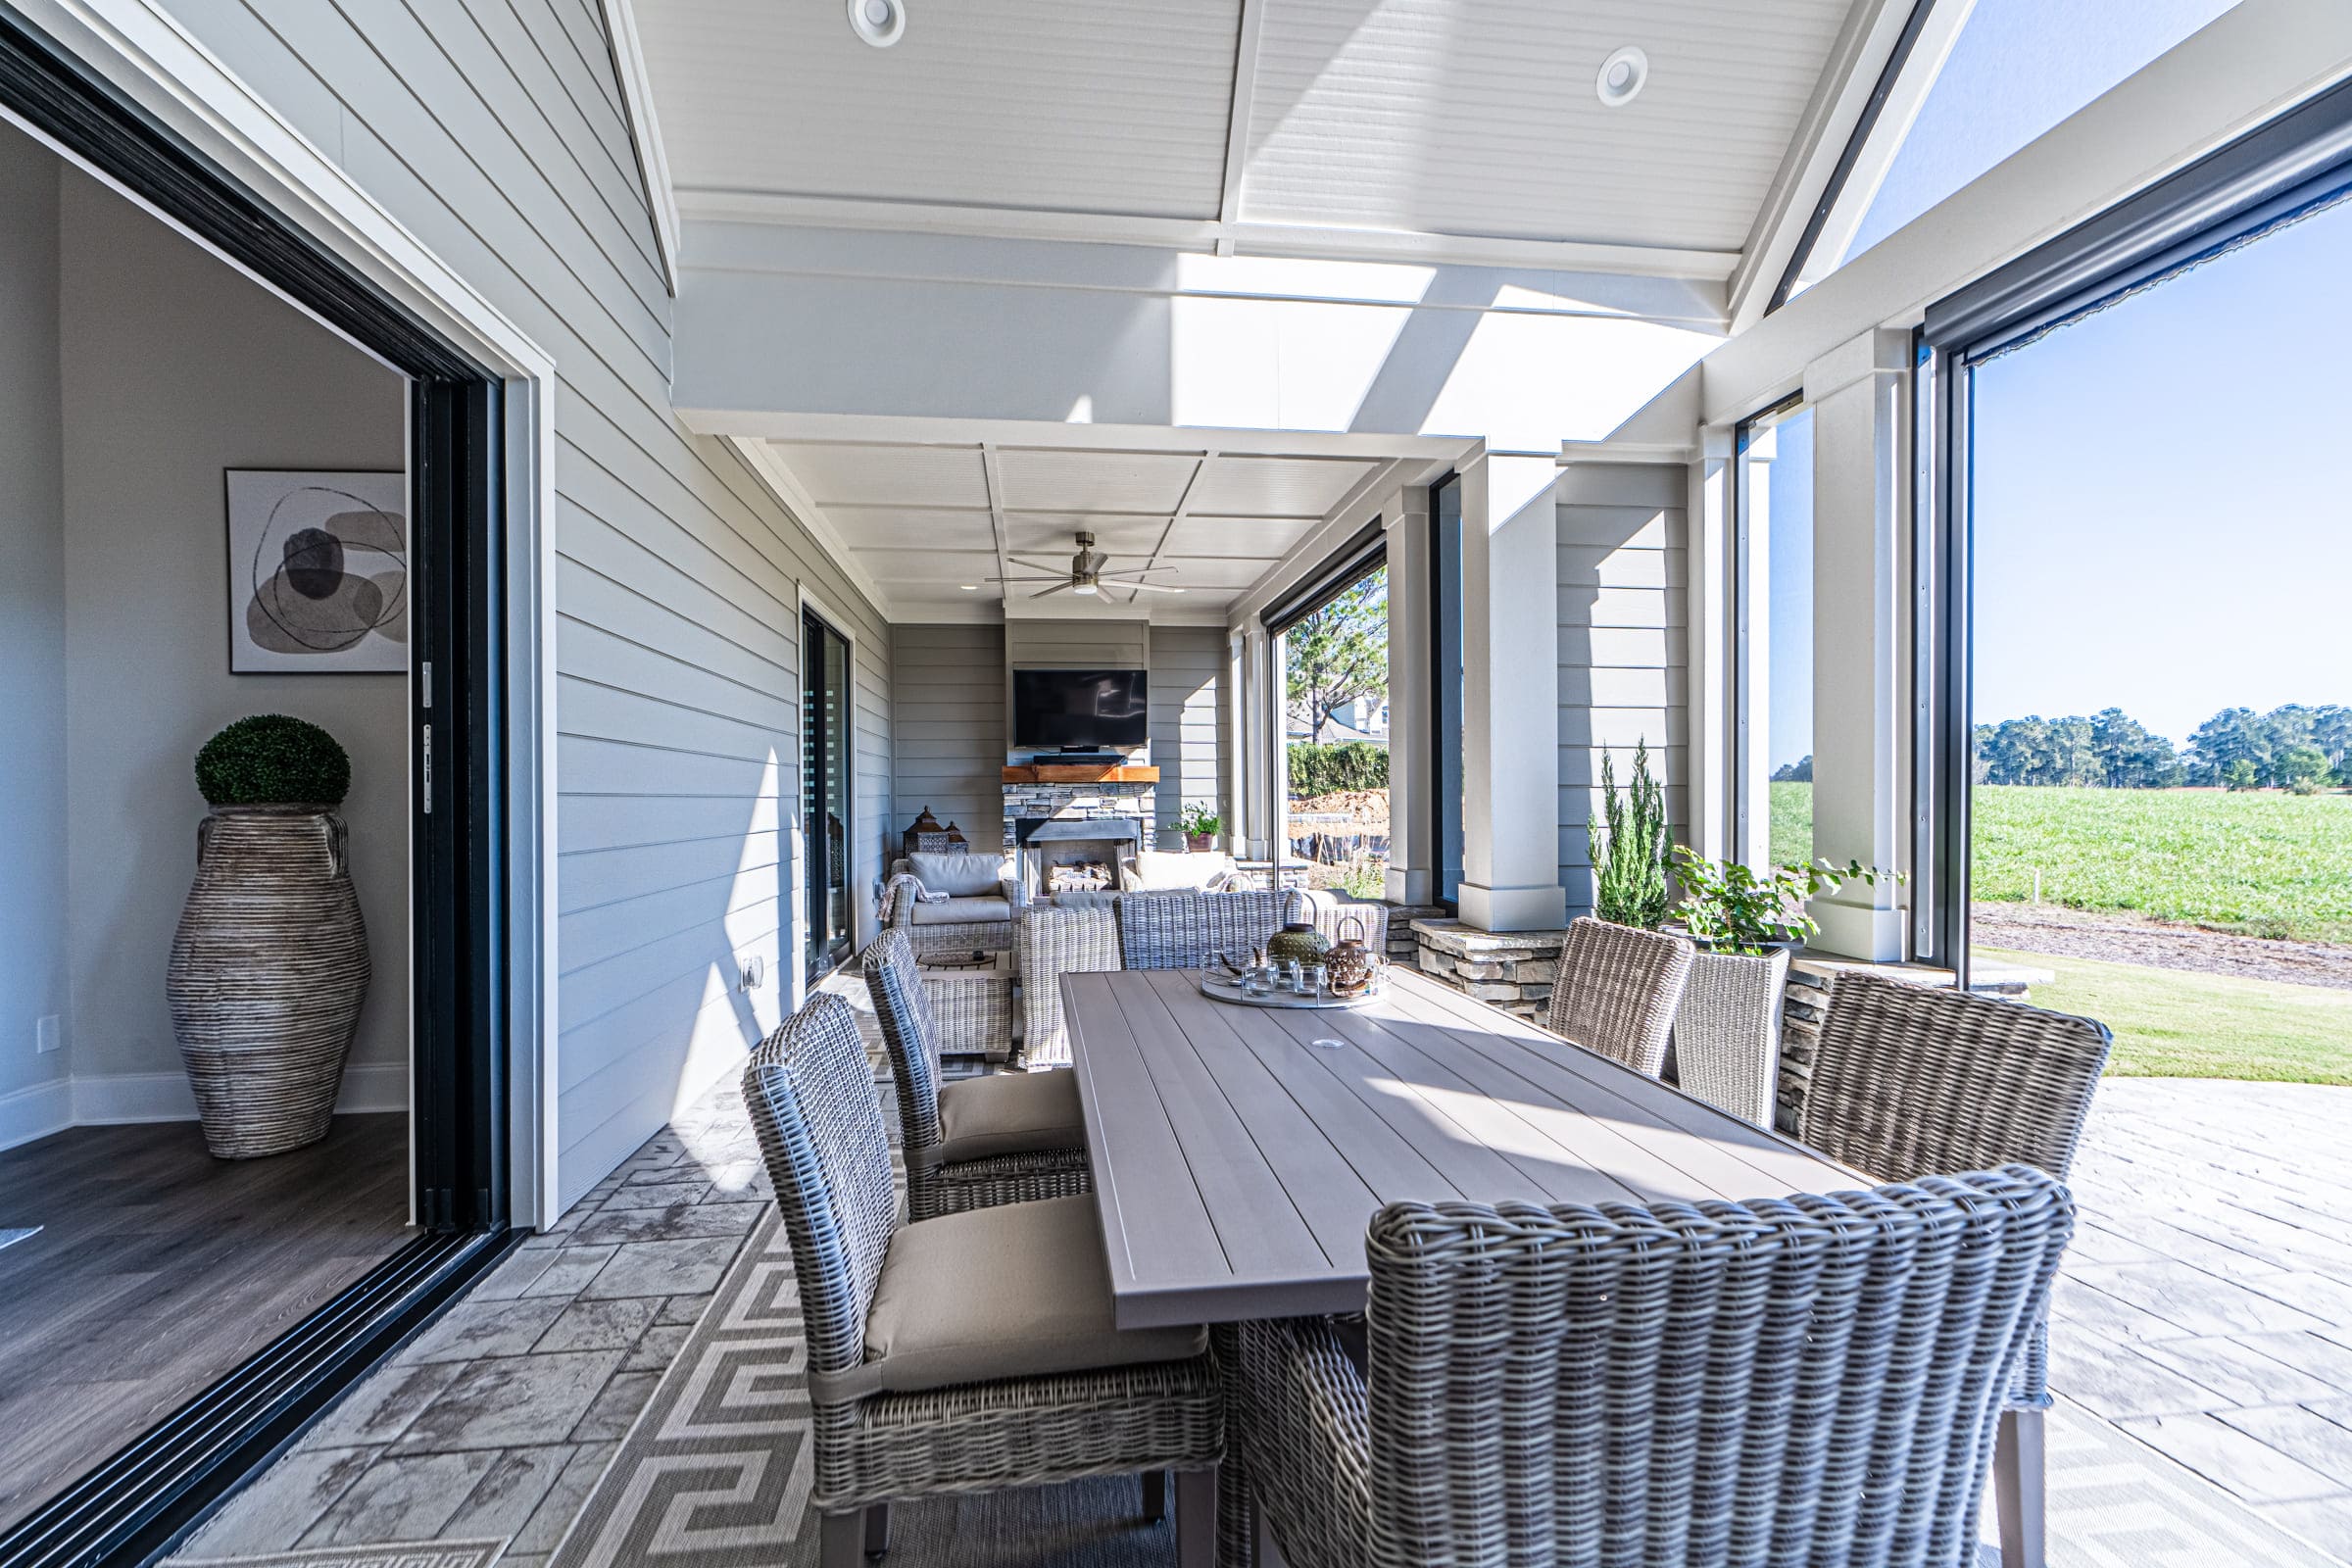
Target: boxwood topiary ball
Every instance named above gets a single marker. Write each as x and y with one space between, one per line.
271 759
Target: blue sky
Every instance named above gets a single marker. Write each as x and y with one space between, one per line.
2164 516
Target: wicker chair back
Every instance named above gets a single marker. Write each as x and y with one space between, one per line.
1184 930
1798 1379
1617 989
812 1097
905 1013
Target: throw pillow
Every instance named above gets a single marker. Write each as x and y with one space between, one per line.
961 876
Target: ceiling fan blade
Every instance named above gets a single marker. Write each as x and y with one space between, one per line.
1153 587
1058 587
1053 567
1136 571
1055 577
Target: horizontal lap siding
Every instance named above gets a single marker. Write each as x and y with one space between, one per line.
1623 657
1187 711
495 133
947 713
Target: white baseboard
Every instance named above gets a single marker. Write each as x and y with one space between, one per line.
119 1099
35 1111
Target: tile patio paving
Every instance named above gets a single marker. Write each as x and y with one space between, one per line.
2206 1312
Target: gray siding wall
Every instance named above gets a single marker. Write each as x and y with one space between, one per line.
947 699
1188 713
1624 645
495 133
1070 645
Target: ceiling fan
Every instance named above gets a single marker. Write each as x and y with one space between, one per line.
1086 574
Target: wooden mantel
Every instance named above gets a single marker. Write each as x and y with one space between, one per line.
1079 774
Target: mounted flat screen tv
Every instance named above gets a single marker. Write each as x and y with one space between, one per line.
1078 709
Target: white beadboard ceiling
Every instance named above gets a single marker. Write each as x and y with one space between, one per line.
922 519
1460 122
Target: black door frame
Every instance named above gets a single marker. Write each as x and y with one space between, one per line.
144 1498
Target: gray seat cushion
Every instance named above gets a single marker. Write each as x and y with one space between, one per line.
958 912
1009 1113
1016 1291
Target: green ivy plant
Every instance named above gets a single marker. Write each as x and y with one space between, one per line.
1628 845
272 759
1733 907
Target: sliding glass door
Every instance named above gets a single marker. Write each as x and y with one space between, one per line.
825 699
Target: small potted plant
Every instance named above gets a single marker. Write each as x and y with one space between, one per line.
1201 827
1749 925
270 964
1628 845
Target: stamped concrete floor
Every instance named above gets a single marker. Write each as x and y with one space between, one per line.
2205 1315
2206 1304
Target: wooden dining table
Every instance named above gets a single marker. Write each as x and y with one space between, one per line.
1240 1153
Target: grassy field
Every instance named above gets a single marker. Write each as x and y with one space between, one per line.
2172 1024
2260 863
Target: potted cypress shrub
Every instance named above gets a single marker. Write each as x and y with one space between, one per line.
1628 847
270 964
1749 925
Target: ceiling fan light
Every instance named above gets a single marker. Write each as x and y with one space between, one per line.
1082 588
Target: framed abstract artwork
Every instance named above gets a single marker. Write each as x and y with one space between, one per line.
318 572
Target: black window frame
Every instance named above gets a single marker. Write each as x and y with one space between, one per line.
1445 702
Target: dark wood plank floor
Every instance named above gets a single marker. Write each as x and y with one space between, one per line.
157 1268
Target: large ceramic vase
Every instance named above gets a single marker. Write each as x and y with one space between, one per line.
1726 1034
268 973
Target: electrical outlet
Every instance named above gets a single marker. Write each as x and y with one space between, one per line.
753 974
45 1037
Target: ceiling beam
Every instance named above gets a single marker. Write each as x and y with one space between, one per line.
1184 509
1237 118
645 135
1238 236
996 518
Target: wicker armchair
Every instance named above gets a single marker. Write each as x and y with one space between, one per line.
1025 1134
1053 942
971 1353
1909 1079
929 936
1617 990
1802 1380
1185 930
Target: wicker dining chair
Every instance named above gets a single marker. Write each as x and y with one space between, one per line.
972 1352
1186 930
1798 1379
1909 1079
1616 991
1054 941
1003 1138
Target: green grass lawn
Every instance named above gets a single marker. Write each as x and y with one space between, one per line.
2265 863
2169 1023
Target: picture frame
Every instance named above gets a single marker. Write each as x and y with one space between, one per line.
318 572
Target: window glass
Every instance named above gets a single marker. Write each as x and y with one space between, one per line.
1775 642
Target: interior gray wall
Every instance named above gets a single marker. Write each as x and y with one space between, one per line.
174 368
1624 640
679 578
948 696
32 638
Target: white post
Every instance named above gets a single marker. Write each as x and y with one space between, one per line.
1412 762
1510 696
1861 498
1712 697
1253 789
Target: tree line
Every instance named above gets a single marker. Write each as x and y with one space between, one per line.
2294 747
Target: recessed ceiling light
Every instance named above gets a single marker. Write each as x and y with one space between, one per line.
1622 75
880 22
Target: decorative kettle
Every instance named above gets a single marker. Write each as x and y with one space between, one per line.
1354 967
1299 941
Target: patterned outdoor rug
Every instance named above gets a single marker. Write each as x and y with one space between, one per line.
716 1472
425 1554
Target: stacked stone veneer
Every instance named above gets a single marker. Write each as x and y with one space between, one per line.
1092 802
1514 970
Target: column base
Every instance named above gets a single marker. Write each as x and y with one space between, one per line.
1405 886
1537 908
1858 931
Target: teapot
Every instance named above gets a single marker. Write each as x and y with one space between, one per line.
1354 967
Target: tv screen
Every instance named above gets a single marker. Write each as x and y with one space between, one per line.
1078 709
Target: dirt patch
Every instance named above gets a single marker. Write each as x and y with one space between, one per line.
2120 937
1365 811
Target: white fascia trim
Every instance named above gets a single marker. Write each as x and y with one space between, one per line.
2254 62
143 51
768 466
1238 236
645 133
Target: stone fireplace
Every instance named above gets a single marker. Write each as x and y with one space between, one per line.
1085 828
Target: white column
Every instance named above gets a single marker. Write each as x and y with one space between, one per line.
1411 761
1861 501
1253 790
1510 696
1713 574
